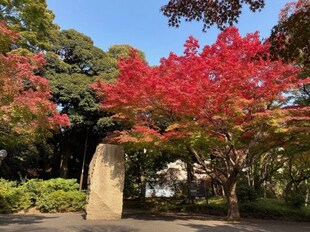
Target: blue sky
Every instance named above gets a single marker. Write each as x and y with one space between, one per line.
140 24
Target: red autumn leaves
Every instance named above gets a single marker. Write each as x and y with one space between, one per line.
25 106
214 91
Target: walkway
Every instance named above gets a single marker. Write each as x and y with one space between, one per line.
140 221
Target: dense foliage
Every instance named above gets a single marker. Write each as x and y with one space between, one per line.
31 19
224 102
26 112
235 111
290 37
219 13
54 195
73 63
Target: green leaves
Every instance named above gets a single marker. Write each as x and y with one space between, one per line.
31 19
54 195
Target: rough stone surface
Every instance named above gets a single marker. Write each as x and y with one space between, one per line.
106 183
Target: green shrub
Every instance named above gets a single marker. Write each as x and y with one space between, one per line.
274 209
246 193
296 200
62 201
13 197
54 195
42 187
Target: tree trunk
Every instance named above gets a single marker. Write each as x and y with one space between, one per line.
189 170
233 213
142 180
142 188
212 187
307 193
65 155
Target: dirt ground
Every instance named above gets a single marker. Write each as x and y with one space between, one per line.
137 221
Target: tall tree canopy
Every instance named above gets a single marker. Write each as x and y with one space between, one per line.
224 102
79 53
31 19
290 37
26 112
73 63
220 13
290 40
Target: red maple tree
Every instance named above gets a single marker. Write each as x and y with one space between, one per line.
224 101
26 112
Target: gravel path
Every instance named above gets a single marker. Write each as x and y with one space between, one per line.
141 221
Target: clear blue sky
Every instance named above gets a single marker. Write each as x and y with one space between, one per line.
140 24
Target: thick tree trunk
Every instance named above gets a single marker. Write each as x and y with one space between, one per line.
233 213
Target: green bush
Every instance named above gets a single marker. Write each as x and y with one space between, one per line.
13 197
54 195
246 193
296 200
62 201
41 187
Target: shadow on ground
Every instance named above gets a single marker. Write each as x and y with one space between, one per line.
140 221
225 228
104 228
249 227
9 219
154 216
89 228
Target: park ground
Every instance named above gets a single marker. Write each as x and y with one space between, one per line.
137 221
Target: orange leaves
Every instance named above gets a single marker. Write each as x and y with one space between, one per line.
141 134
25 96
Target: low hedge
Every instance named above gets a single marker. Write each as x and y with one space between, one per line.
54 195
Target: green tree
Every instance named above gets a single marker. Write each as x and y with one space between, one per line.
79 53
290 40
123 51
73 63
290 37
31 19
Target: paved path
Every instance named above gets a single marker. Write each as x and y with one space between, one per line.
138 221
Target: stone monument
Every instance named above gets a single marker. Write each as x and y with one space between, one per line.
106 183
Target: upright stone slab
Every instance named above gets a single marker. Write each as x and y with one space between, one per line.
106 183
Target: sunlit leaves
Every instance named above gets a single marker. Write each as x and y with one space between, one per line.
228 91
26 112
